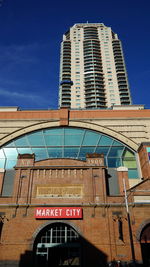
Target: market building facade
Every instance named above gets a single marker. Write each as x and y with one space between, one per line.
63 179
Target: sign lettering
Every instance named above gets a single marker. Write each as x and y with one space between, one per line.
58 212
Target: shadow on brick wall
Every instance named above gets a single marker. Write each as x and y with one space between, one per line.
58 256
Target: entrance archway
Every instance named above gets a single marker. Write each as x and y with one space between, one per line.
57 244
145 245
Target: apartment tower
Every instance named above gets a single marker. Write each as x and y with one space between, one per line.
92 68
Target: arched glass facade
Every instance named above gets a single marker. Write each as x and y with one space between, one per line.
69 142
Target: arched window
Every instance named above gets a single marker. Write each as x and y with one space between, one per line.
58 244
69 142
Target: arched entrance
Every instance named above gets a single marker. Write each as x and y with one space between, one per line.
145 245
57 244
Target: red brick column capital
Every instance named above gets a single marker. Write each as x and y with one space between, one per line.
122 174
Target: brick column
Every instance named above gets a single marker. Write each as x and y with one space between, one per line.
2 171
64 117
144 157
122 174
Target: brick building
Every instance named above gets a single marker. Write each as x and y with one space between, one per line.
63 175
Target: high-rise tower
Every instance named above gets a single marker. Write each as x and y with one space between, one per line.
92 68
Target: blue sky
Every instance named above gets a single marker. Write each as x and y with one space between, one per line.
30 36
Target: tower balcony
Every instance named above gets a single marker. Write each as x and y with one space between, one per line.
123 86
122 83
66 92
66 82
125 102
123 94
119 69
66 99
66 105
66 70
124 98
123 90
121 79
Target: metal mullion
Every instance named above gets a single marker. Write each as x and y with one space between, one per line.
81 143
65 234
97 142
108 153
60 234
63 145
56 234
5 158
51 235
122 155
45 144
46 236
29 145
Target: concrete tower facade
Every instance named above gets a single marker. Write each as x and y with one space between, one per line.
92 68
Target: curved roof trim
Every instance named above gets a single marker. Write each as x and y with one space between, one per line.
91 126
120 137
29 129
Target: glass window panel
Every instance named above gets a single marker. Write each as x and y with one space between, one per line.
40 153
117 143
35 133
133 174
24 150
10 163
129 163
2 153
74 131
90 139
10 152
116 152
53 140
148 149
85 150
11 144
57 131
2 162
105 141
102 150
105 161
70 152
128 154
73 140
55 152
114 162
21 142
36 140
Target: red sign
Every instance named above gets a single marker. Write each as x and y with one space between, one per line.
58 213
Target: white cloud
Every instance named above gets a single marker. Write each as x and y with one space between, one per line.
18 54
20 96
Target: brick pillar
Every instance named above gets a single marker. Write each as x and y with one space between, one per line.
22 177
95 159
64 117
2 171
144 157
122 174
25 160
96 163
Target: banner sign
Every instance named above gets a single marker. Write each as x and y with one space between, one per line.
58 213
